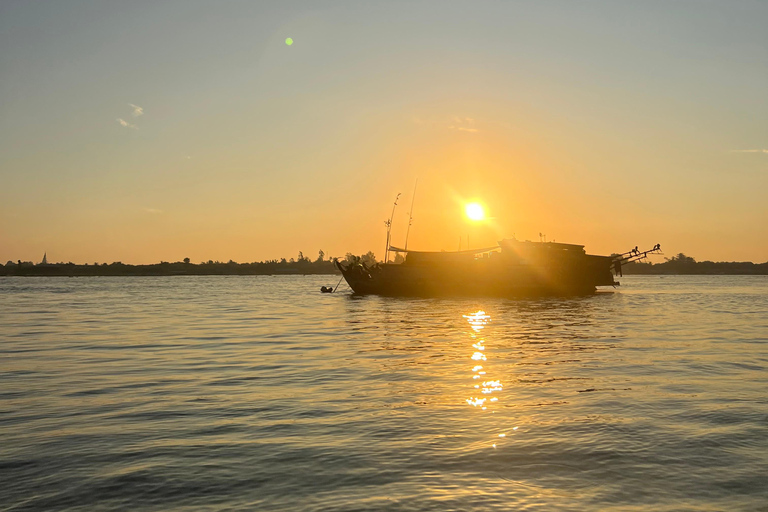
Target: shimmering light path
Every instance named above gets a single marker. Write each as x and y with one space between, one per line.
246 393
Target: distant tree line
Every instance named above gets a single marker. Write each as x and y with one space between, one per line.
301 265
682 264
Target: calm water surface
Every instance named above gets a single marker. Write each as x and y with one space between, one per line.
260 393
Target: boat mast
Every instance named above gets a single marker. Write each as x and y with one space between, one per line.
410 214
389 228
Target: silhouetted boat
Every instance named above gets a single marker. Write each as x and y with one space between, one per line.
511 269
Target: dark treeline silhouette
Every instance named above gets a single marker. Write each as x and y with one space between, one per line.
301 265
679 264
682 264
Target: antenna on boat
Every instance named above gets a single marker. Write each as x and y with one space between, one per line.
389 228
410 214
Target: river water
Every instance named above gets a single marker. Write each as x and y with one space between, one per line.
260 393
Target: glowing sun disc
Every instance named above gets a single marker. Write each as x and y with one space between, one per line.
475 211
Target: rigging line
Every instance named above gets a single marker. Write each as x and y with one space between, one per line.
337 284
389 228
410 214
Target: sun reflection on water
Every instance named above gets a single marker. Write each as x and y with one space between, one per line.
489 386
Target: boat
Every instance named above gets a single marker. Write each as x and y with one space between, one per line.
513 268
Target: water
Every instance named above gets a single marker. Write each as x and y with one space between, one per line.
260 393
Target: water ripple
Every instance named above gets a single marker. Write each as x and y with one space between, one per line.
209 393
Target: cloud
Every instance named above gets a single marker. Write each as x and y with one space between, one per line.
137 110
463 124
153 211
125 123
749 151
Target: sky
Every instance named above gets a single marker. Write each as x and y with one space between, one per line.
152 131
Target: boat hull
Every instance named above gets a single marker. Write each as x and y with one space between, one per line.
482 278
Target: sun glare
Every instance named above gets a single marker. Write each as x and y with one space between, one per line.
475 211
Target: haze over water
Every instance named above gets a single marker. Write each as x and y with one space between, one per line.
243 393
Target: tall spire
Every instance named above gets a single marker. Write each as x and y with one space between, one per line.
45 259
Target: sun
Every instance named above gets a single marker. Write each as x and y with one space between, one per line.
475 211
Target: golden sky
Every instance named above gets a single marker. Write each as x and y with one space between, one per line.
150 131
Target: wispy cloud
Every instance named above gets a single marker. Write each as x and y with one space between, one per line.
749 151
463 124
153 211
137 110
460 124
125 123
